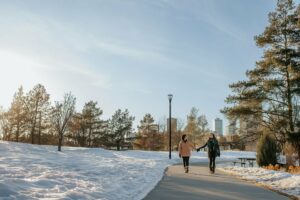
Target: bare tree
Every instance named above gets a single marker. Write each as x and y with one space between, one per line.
202 123
162 123
62 113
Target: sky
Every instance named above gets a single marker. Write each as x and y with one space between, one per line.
131 53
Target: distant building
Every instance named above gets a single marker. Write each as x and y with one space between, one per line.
173 124
231 129
218 126
249 132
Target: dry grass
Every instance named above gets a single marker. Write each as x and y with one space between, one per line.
291 169
294 169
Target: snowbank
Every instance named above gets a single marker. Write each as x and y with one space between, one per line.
277 180
36 172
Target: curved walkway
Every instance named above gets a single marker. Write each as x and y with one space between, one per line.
200 184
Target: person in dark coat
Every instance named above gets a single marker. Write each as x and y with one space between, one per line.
213 151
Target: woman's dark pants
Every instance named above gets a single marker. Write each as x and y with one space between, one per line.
185 161
212 162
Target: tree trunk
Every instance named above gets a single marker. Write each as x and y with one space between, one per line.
32 131
298 156
90 133
60 142
118 145
83 139
40 122
34 122
288 83
290 106
18 130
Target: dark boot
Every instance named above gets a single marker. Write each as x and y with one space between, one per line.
186 169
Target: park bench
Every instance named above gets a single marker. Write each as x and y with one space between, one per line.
244 160
243 164
251 161
281 164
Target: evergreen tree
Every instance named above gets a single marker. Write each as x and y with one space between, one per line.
91 117
37 103
271 91
17 114
86 127
266 151
146 123
143 137
76 134
119 126
148 137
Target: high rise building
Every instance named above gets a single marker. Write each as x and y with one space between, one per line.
218 126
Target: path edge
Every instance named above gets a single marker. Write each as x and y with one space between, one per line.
261 185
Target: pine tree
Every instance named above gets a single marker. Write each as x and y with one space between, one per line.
119 126
143 137
17 114
91 116
37 103
271 91
76 132
148 137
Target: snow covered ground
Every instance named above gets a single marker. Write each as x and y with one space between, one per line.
277 180
41 172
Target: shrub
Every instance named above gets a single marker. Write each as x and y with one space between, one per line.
266 151
294 169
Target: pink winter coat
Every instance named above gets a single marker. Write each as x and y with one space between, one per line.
185 148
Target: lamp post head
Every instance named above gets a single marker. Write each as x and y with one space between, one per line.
170 96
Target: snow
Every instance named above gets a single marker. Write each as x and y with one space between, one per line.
41 172
34 172
278 180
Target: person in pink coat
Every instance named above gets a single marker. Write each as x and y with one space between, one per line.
184 150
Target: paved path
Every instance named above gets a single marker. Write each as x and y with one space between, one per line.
200 184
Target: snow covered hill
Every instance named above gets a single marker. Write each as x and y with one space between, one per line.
37 172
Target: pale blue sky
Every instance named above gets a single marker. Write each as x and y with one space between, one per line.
131 53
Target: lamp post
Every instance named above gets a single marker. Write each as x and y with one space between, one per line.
170 96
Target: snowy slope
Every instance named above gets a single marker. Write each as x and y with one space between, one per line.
277 180
41 172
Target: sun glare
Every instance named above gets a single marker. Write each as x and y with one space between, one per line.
16 70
